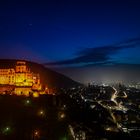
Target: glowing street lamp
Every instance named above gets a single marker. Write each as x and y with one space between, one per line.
36 134
61 116
6 130
27 102
41 113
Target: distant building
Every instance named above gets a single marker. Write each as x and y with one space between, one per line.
20 77
138 85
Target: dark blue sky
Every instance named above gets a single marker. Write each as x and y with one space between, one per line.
71 32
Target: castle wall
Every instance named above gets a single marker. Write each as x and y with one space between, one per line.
19 76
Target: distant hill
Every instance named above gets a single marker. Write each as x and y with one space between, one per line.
48 77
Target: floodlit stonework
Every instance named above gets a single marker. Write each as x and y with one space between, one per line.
21 78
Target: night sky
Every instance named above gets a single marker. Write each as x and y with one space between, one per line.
71 33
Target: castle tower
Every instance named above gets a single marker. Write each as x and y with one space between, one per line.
21 67
21 74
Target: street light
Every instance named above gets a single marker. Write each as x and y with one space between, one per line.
27 102
6 130
41 113
36 135
61 115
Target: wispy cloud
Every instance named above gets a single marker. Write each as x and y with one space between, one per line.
98 55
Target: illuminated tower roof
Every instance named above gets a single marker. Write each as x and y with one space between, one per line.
21 66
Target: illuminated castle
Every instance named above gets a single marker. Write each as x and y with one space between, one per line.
21 77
